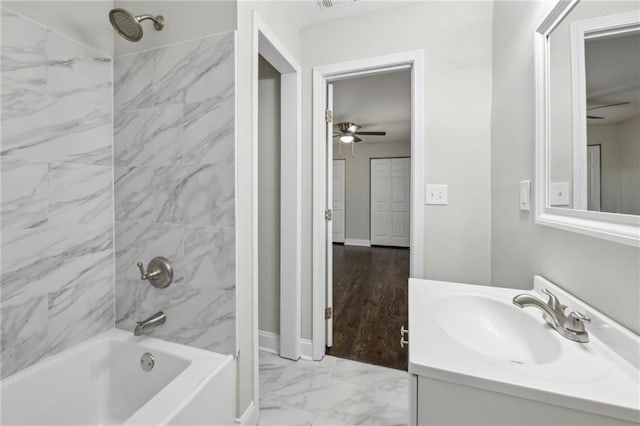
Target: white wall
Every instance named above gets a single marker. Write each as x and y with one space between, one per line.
456 37
357 173
86 22
268 197
185 20
275 15
604 274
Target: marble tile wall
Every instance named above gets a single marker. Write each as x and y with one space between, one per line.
56 208
175 189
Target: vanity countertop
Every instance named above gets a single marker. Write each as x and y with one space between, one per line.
473 335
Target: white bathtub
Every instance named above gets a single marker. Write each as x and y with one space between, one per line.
101 382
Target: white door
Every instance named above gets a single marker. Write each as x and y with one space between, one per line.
390 201
593 177
329 222
338 213
380 203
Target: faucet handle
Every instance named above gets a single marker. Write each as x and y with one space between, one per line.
147 275
554 302
143 275
159 272
575 322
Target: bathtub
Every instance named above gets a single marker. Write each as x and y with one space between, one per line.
102 382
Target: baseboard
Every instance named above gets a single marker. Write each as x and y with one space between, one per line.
269 342
306 349
249 417
361 243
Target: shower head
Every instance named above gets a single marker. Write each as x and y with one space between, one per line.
129 26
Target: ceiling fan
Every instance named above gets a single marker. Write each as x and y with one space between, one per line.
595 117
348 132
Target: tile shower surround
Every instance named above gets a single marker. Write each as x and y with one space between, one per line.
57 193
175 188
174 191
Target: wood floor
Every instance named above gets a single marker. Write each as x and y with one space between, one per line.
370 304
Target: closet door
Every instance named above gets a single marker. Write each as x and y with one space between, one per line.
400 201
380 202
390 201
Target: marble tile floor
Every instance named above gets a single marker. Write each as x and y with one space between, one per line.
333 391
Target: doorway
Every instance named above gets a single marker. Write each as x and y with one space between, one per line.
348 256
286 264
370 217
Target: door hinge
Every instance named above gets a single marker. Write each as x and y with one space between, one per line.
327 215
328 116
328 313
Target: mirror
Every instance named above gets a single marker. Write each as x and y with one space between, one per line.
612 76
588 119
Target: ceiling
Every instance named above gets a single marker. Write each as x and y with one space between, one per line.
379 102
308 12
612 66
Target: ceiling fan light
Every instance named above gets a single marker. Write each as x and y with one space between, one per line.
353 128
346 138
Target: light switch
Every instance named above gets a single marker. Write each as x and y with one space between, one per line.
437 194
525 195
559 194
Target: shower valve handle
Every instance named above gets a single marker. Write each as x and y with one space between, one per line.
159 272
147 276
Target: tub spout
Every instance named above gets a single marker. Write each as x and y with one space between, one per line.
150 323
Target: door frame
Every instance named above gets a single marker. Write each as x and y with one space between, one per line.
323 75
599 146
265 43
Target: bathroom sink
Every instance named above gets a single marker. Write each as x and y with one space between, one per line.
474 337
496 328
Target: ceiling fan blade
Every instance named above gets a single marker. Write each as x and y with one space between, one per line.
372 133
607 106
593 117
335 135
357 139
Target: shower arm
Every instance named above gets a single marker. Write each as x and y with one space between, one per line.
158 21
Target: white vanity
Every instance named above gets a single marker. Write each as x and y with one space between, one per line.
475 358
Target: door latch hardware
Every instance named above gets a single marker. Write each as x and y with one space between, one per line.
327 215
404 336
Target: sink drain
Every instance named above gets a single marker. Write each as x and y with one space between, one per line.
147 362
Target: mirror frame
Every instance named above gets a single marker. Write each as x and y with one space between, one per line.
615 227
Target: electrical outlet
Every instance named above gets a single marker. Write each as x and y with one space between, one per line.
437 194
559 194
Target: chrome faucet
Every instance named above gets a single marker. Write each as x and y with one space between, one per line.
569 326
152 322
